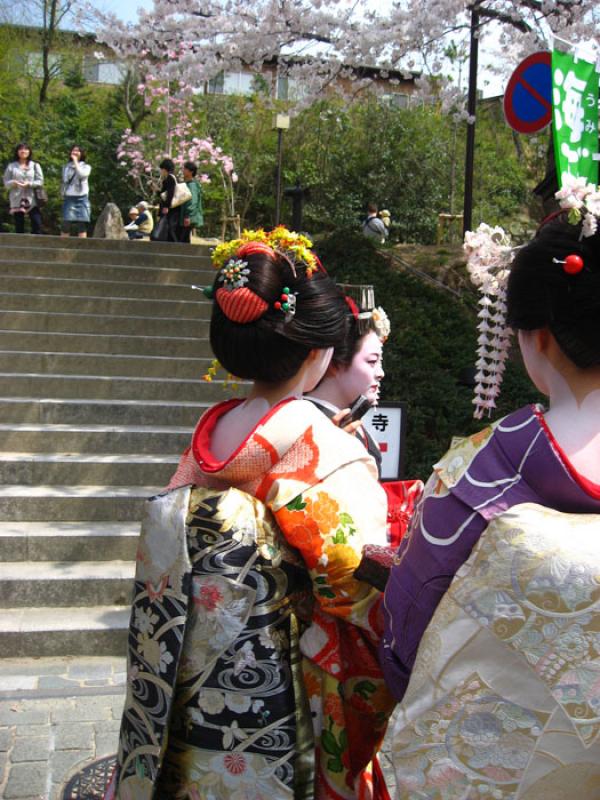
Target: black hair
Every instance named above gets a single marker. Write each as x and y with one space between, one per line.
272 349
82 152
167 163
346 350
191 166
542 295
18 147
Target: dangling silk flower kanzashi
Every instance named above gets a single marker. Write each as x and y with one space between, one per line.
489 255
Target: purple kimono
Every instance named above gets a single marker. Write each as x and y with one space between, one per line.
512 462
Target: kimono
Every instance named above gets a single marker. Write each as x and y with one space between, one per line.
262 680
492 624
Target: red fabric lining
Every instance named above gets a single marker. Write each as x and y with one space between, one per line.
589 487
201 438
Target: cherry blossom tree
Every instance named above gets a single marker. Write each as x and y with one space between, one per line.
318 42
168 132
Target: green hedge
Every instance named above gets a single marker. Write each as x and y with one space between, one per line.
433 341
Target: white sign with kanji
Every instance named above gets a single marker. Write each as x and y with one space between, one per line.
385 423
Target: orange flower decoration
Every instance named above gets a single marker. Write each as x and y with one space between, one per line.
312 685
324 510
307 538
334 709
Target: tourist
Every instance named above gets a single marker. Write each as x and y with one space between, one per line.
24 179
190 213
75 192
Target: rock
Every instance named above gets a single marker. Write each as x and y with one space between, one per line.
110 224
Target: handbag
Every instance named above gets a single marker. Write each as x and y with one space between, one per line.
180 196
41 196
160 232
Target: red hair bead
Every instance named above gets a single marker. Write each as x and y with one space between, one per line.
573 264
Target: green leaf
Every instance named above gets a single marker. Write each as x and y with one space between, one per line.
346 519
335 765
364 689
326 593
297 504
339 537
330 744
320 579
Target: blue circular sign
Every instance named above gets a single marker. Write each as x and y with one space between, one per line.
528 95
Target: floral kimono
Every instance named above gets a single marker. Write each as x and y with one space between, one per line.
492 624
261 679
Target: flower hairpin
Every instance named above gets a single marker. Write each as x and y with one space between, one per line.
381 323
234 274
582 200
286 303
489 255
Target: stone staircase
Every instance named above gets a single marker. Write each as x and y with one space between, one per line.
102 349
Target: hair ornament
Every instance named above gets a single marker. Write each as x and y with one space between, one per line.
230 382
582 201
489 256
286 303
240 305
207 291
360 298
572 264
234 274
295 248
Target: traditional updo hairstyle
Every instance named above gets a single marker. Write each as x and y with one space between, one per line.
359 322
273 346
542 294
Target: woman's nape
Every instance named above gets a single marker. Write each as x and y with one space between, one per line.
557 316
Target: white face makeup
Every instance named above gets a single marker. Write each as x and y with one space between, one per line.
365 373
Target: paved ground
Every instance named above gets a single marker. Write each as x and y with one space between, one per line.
56 715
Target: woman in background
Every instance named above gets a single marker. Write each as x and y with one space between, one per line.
75 191
190 213
22 177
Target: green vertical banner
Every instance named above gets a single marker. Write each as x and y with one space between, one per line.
575 117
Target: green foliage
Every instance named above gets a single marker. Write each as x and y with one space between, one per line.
432 344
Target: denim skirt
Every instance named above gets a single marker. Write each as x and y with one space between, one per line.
76 209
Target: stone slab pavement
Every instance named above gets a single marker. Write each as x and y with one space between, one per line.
57 715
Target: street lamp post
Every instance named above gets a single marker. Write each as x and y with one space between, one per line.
281 122
471 110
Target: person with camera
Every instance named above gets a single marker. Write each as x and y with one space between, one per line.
75 191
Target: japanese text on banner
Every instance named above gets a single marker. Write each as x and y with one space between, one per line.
575 116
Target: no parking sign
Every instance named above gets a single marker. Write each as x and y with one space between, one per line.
528 95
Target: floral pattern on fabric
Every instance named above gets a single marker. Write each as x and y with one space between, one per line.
472 743
538 591
212 656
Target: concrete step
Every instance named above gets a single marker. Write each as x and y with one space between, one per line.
34 469
68 541
99 387
107 246
40 438
39 341
104 364
99 412
97 268
73 503
115 324
65 583
47 632
152 264
88 304
105 288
